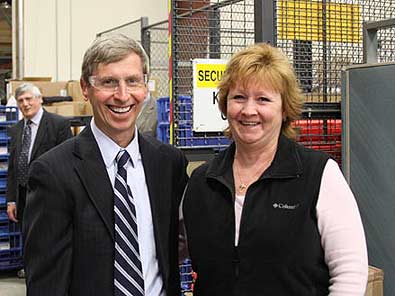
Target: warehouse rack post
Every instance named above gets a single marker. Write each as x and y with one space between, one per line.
371 40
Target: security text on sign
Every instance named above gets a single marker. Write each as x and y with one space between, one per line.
209 75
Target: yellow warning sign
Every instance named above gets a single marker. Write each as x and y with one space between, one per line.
209 75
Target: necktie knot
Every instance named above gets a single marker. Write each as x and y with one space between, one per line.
122 158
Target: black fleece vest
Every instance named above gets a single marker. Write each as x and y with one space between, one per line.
279 250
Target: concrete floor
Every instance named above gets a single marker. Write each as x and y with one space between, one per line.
11 285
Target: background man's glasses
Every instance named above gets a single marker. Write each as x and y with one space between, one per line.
111 84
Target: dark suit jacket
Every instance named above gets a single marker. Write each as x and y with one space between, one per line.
52 130
69 220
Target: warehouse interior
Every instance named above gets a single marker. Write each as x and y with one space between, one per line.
342 51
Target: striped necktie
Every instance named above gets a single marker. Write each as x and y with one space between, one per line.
23 159
128 275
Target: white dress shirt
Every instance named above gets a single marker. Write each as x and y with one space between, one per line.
34 127
153 283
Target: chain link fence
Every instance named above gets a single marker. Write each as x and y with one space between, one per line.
157 42
321 37
203 29
379 10
386 44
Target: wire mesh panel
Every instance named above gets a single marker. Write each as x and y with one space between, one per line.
321 37
10 232
386 44
158 51
203 29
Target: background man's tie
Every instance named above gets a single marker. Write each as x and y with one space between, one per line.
128 275
23 159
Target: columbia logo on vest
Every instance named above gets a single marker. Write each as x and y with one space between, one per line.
285 206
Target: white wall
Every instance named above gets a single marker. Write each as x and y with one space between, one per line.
57 32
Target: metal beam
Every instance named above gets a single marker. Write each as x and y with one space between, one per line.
370 43
145 36
264 22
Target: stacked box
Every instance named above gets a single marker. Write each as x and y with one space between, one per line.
10 234
183 126
375 282
186 277
321 134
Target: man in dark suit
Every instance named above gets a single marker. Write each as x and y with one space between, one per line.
102 214
46 130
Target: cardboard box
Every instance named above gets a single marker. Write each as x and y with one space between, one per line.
74 90
375 282
47 88
37 79
153 87
69 109
51 109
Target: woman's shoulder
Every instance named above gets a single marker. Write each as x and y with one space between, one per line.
311 153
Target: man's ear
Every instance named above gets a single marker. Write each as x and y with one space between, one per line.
84 88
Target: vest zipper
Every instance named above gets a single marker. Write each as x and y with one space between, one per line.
236 262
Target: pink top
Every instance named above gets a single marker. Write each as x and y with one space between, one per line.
341 230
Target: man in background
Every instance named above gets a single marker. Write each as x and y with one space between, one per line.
37 132
33 135
147 121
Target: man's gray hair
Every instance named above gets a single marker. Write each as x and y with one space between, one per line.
111 49
27 87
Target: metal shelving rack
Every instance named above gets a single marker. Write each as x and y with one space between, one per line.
10 234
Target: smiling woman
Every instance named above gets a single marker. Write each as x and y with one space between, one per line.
267 216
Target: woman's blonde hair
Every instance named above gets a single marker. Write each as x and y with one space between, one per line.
263 63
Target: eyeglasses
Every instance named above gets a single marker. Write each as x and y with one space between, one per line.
111 84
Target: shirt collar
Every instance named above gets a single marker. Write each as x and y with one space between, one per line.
36 118
109 149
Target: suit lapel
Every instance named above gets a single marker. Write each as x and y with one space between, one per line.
159 200
153 175
40 136
93 174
